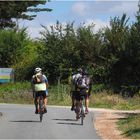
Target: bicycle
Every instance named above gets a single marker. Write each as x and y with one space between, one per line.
82 113
80 110
41 107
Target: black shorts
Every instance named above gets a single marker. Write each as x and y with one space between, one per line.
74 93
80 95
40 93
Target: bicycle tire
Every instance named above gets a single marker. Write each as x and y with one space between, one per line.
40 108
82 114
41 116
82 118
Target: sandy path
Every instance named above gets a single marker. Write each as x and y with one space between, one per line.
105 123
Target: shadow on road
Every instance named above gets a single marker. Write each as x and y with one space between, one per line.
24 121
64 119
67 123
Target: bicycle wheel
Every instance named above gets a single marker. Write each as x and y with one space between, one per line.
41 108
82 114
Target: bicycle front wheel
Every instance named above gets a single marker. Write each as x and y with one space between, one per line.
41 109
82 118
82 114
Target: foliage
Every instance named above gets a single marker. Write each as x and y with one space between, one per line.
10 10
59 50
11 43
19 52
115 39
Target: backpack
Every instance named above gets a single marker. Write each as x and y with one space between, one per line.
83 82
75 77
37 79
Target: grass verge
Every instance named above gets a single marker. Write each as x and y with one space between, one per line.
114 101
130 126
60 95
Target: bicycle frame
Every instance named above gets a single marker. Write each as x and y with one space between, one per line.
41 107
80 110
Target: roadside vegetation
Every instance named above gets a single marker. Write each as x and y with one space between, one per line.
60 95
130 126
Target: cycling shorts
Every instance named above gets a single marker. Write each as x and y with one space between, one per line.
82 94
40 93
79 95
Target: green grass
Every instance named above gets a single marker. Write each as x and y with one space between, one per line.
60 95
16 93
130 126
114 101
22 93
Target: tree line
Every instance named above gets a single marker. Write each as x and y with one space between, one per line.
111 55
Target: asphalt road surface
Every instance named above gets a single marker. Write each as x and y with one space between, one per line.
20 122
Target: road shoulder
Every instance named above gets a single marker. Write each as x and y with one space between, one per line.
105 123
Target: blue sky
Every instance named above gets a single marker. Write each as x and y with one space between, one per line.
93 11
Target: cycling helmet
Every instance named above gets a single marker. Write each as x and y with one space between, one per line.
79 70
37 70
84 72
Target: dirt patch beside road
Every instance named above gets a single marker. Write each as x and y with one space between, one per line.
105 123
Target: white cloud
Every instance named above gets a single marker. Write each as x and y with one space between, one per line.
97 12
34 32
97 22
80 8
125 7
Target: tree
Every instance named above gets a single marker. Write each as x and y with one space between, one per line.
115 41
11 44
89 44
59 52
11 10
134 50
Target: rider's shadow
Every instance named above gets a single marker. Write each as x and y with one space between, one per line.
24 121
68 121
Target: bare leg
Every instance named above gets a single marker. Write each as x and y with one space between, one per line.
86 104
45 102
36 105
77 111
73 102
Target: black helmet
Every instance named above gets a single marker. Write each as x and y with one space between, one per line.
79 70
84 72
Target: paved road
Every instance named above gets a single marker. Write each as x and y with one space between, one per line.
20 122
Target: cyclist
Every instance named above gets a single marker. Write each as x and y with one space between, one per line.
83 88
75 76
39 84
87 90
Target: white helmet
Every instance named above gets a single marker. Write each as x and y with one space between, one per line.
37 70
